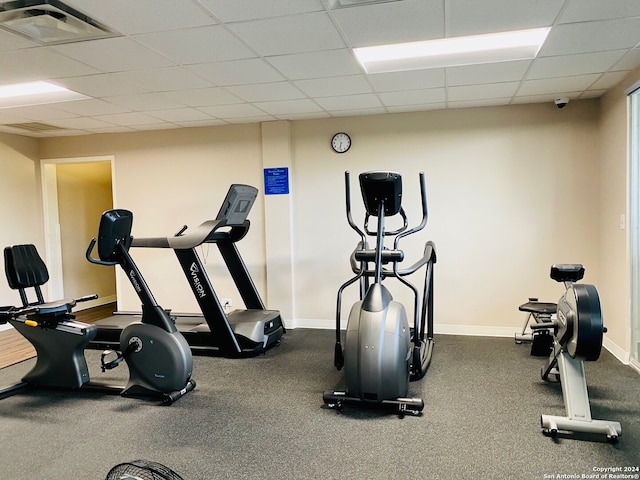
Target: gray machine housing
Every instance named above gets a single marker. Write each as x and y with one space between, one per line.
377 347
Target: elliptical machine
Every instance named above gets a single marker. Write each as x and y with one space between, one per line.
577 337
382 353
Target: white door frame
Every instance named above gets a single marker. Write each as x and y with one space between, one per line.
52 241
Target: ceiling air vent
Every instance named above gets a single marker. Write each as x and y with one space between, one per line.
334 4
34 127
50 22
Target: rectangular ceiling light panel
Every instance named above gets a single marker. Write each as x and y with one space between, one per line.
35 93
50 22
448 52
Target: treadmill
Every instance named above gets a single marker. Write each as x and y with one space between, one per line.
240 333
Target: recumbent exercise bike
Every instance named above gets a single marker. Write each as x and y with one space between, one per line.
159 359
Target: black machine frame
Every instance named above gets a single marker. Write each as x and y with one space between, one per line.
240 333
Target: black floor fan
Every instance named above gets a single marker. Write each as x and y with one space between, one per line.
142 470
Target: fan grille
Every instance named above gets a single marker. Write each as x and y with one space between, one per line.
142 470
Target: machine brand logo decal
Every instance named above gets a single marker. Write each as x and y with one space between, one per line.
196 280
134 281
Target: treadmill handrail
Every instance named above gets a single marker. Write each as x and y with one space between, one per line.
206 232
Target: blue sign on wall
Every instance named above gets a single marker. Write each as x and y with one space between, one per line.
276 181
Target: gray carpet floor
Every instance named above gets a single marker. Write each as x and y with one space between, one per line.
263 418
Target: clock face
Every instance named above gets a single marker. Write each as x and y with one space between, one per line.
341 142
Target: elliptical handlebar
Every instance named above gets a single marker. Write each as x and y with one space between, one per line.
425 213
347 189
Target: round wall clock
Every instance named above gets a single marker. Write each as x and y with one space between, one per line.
341 142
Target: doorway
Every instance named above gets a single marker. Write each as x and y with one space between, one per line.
75 193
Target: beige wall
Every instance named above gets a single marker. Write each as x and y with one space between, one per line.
511 190
172 178
20 205
613 253
84 192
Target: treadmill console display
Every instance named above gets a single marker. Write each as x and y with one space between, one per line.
237 204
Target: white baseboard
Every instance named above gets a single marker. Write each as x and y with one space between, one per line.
617 351
6 326
94 303
469 330
633 363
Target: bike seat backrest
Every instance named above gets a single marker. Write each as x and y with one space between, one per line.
25 269
377 186
568 272
115 229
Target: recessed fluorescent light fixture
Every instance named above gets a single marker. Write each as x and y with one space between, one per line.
448 52
35 93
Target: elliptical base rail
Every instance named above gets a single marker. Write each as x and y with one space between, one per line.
403 406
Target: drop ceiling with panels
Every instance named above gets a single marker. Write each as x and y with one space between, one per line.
190 63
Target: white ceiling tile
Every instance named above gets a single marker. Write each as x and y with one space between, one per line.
209 122
543 98
130 119
201 97
40 113
80 123
587 37
608 80
478 92
291 34
469 17
585 10
145 101
163 79
113 54
557 85
234 11
418 107
237 72
358 112
409 80
141 16
487 73
289 106
39 64
330 63
233 111
89 107
350 102
494 102
114 129
11 41
197 45
186 58
431 95
266 92
179 114
101 85
394 22
569 65
629 61
326 87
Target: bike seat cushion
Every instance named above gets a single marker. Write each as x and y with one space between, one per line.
539 308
